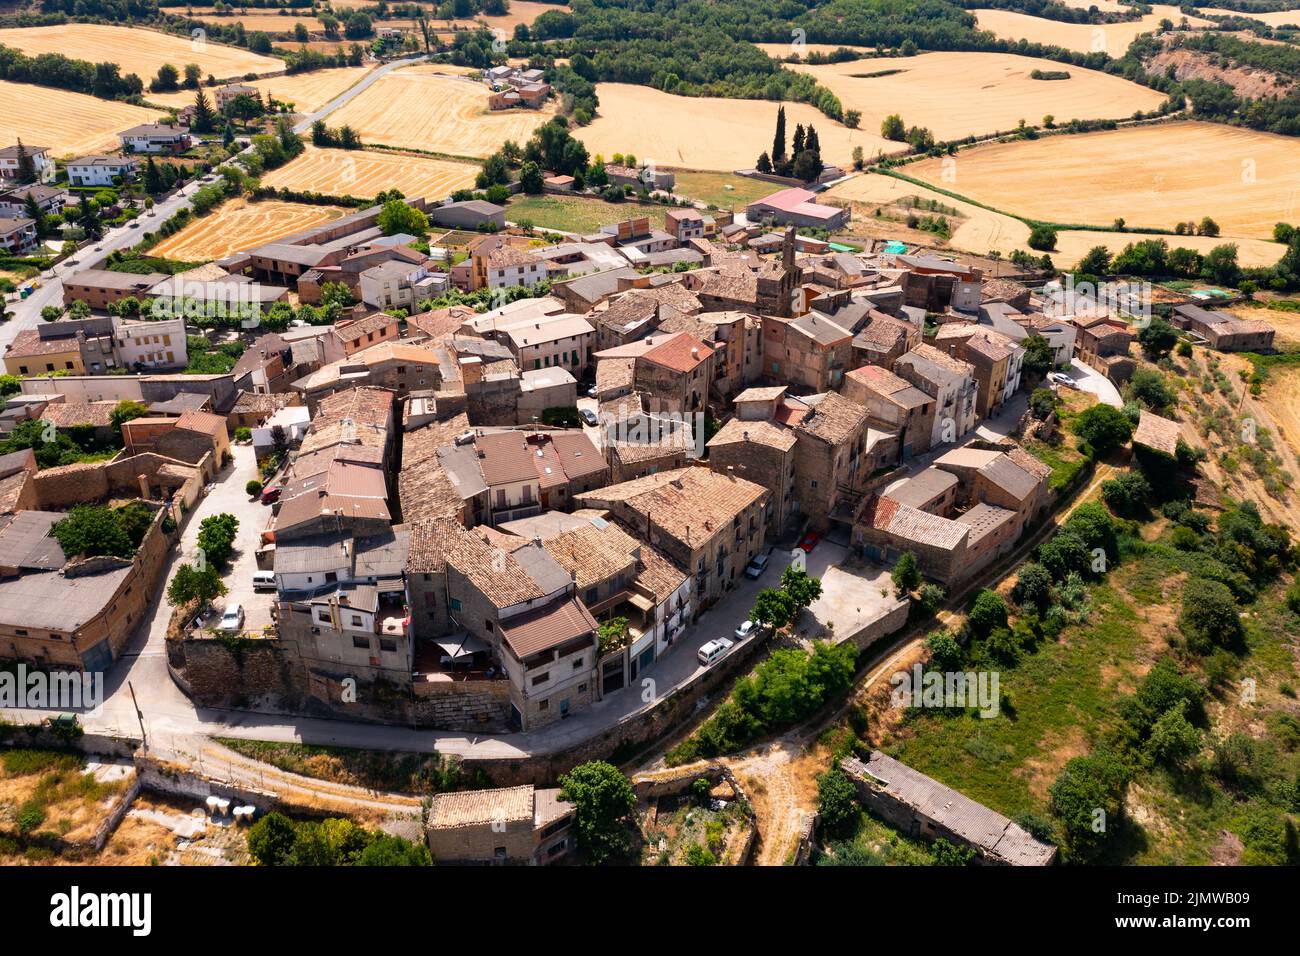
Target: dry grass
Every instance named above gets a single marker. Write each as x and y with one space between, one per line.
368 172
307 92
68 123
1112 38
960 94
1274 18
136 50
271 23
239 224
708 133
1151 176
982 231
418 108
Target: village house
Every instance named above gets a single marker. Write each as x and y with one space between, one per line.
675 374
1103 344
347 337
810 352
503 266
994 357
643 177
950 382
684 224
896 403
708 524
837 451
797 207
884 339
468 214
763 452
11 161
226 95
559 340
1156 433
1060 334
155 138
99 288
397 284
48 199
17 236
936 284
515 825
1222 331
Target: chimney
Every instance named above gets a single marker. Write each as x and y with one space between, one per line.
144 486
731 472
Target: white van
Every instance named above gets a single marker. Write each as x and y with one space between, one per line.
263 580
711 651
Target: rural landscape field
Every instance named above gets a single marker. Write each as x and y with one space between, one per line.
140 51
353 173
239 223
420 109
964 94
628 434
1150 176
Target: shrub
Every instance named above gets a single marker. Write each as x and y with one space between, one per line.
1033 587
988 612
253 488
602 797
243 433
1086 787
945 653
1209 616
1104 428
1127 494
836 800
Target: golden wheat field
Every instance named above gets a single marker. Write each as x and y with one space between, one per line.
368 172
709 133
271 23
308 92
1150 176
137 50
1112 38
420 109
959 94
240 224
982 230
1274 18
68 123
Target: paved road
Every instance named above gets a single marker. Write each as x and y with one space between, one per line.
347 95
1090 380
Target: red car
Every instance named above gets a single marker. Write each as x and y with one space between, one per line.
809 541
271 495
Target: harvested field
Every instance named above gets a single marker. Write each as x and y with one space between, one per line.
1151 176
521 11
982 230
308 92
417 108
272 23
1112 38
369 172
1274 18
960 94
68 123
239 224
136 50
779 51
667 129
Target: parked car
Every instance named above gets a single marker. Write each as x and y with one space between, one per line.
754 570
233 619
747 629
588 416
263 580
714 649
271 494
809 541
1060 378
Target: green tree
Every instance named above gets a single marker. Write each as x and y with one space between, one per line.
271 840
398 217
1042 237
1040 357
836 800
1103 427
385 850
1209 615
1174 740
10 385
603 800
1157 338
906 574
945 653
987 612
774 608
530 178
167 80
802 587
92 530
1127 494
950 854
1096 262
1149 387
1088 798
125 411
205 118
1033 587
190 584
892 128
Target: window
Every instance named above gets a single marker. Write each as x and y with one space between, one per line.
487 625
361 642
455 604
20 632
387 645
577 665
592 595
356 620
543 705
541 678
323 615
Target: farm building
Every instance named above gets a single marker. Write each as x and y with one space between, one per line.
920 806
1222 331
797 207
469 214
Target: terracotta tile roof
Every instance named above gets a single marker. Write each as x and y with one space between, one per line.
613 374
360 328
477 808
690 504
205 422
29 342
935 366
761 394
1029 463
505 256
262 403
760 432
505 457
578 456
71 414
1156 432
553 624
682 353
834 419
438 322
666 445
910 524
1007 474
592 553
365 405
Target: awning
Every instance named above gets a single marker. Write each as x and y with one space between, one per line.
461 645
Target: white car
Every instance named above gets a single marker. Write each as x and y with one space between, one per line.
711 651
1061 378
745 630
233 619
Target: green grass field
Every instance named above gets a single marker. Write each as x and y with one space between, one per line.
578 213
712 188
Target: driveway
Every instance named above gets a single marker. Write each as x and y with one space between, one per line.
1090 380
227 496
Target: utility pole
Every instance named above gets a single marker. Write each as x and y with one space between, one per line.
144 738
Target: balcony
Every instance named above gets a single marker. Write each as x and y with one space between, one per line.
455 658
